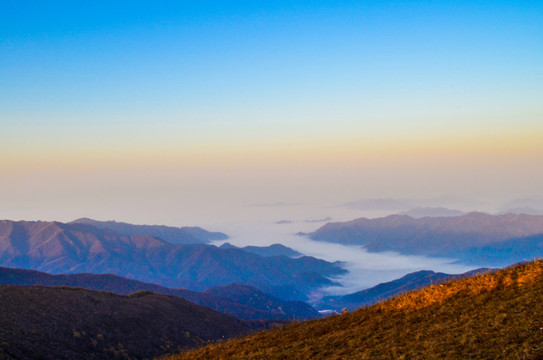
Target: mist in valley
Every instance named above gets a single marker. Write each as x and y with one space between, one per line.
286 223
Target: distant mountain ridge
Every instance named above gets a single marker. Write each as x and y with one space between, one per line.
271 250
420 212
383 291
174 235
78 248
470 238
223 299
521 210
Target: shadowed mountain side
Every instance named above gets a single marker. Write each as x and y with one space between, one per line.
456 236
272 250
383 291
254 298
225 301
506 252
73 323
174 235
76 248
490 316
199 267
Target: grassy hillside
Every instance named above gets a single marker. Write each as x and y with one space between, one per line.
492 316
72 323
412 281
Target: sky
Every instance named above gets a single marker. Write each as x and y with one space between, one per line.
191 112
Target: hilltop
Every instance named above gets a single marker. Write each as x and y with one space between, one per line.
491 316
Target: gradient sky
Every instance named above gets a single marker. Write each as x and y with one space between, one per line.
184 112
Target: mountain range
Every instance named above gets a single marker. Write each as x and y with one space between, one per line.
475 238
271 250
242 301
174 235
56 248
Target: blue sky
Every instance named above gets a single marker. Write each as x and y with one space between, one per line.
132 62
292 86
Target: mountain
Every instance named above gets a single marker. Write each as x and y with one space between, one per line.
507 251
222 299
73 323
271 250
521 210
378 204
256 299
491 316
383 291
174 235
78 248
420 212
467 237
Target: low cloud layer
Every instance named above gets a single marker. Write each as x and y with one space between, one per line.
365 269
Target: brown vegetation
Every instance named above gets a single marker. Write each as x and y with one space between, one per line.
73 323
492 316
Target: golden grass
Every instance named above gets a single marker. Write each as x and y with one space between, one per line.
492 316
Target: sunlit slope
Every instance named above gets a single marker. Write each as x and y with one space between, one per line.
491 316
